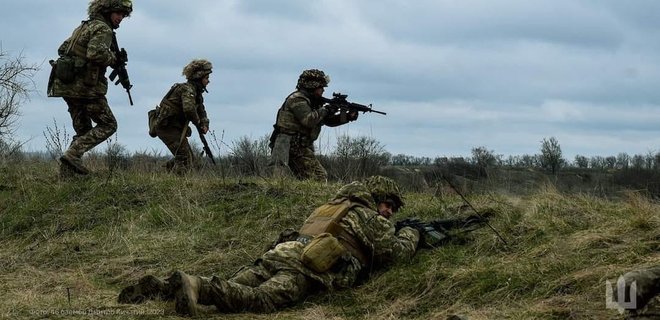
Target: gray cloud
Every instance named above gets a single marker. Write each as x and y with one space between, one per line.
452 75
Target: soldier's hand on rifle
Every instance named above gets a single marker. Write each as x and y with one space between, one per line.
122 57
204 129
352 115
327 110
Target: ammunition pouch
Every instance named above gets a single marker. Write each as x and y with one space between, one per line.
322 252
65 69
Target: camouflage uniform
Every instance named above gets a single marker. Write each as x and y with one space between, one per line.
89 50
280 278
298 125
647 293
183 104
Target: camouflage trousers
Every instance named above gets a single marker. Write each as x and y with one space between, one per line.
83 111
256 289
304 164
183 155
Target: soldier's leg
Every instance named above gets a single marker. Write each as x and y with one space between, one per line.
279 156
98 111
181 151
70 161
306 166
82 123
282 289
252 276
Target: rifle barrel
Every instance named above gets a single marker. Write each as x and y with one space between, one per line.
130 99
473 209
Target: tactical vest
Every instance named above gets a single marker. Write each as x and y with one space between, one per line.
286 121
76 47
326 219
288 124
172 105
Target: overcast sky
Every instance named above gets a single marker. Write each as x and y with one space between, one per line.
451 74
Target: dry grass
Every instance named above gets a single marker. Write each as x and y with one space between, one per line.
70 246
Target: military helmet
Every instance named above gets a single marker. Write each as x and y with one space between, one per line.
197 69
312 79
383 189
100 7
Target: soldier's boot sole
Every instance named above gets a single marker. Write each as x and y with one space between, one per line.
147 288
186 293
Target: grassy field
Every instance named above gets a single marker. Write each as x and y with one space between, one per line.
68 247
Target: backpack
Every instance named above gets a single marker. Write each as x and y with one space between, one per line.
153 121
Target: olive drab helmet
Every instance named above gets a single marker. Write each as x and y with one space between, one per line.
197 69
101 7
312 79
382 189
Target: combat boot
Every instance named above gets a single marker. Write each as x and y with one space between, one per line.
75 163
186 292
66 172
147 288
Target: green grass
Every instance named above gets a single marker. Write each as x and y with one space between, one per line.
92 236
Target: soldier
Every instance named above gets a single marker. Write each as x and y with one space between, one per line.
336 248
183 104
298 125
79 77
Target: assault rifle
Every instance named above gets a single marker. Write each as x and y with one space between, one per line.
205 143
338 101
434 233
119 69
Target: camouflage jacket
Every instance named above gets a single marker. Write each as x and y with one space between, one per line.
184 102
92 55
300 115
366 225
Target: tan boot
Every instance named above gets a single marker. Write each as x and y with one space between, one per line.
66 172
75 163
186 293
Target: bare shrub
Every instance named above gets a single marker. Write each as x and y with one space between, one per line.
355 158
15 85
116 155
10 151
250 157
146 161
56 140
